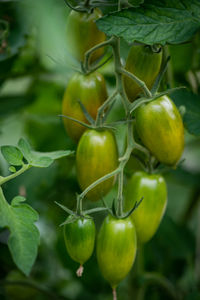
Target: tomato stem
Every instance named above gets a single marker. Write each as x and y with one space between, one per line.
24 168
114 294
80 270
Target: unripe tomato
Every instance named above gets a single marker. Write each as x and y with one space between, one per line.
83 34
79 239
148 215
96 156
143 63
116 249
91 91
161 130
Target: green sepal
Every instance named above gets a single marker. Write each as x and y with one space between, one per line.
69 211
77 121
160 76
144 100
137 203
86 113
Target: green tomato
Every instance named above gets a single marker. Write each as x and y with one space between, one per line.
79 239
96 156
88 89
116 249
143 63
148 215
83 34
160 127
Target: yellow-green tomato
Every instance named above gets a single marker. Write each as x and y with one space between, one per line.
79 239
160 127
148 215
116 249
91 91
143 63
96 156
83 34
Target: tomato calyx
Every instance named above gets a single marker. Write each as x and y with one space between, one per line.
113 211
79 215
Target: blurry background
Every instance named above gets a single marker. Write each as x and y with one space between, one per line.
34 71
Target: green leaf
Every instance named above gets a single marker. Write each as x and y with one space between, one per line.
25 149
136 3
12 155
154 22
23 240
12 169
191 102
40 159
55 154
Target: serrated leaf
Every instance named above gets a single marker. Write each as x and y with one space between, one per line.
191 102
17 200
154 22
40 159
55 154
12 155
41 162
25 149
23 240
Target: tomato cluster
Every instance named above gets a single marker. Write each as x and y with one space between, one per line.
158 127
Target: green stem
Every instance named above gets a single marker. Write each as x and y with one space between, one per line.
86 66
98 181
103 107
79 209
164 283
24 168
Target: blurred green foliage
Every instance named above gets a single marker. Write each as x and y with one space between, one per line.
34 71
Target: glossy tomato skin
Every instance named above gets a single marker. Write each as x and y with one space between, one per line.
83 34
116 248
91 91
96 156
80 238
148 215
143 63
160 127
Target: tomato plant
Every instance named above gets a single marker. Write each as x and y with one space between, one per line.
93 161
143 62
79 239
91 91
165 141
150 212
116 249
83 34
136 116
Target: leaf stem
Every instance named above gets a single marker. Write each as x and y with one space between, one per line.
24 168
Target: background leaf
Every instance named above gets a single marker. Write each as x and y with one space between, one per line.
191 102
24 236
154 22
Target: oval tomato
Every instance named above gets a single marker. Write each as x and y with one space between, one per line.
79 239
143 63
83 34
160 128
91 91
148 215
116 249
96 156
